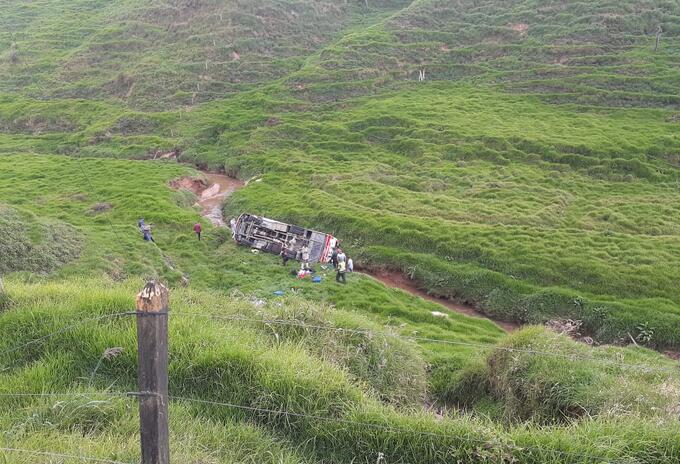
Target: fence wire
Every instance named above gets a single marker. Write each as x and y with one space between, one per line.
53 454
486 443
575 357
63 330
362 331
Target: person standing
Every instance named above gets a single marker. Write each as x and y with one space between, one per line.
284 254
350 265
232 226
340 276
305 258
334 258
342 257
146 232
198 229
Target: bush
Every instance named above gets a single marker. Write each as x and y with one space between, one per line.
578 381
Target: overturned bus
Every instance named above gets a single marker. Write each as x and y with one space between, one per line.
284 239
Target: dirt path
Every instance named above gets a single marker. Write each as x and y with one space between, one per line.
211 191
395 279
211 199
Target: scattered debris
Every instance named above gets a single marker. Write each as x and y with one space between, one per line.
254 179
158 154
258 302
570 328
440 314
111 353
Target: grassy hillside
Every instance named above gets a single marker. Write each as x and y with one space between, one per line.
155 55
101 200
357 381
535 174
590 53
29 244
485 198
527 208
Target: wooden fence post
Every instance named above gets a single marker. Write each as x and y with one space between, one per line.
152 345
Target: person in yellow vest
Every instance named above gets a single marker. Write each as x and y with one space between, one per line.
342 268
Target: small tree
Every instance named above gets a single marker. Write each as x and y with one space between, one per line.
659 31
4 299
13 53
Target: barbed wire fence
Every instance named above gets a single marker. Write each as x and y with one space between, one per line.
359 331
267 414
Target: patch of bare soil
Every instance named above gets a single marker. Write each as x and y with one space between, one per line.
159 154
672 354
99 208
211 191
193 184
396 279
571 328
522 28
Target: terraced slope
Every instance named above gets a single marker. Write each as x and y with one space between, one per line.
589 53
159 54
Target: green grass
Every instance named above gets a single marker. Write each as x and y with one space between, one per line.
164 54
32 245
504 220
475 182
112 247
274 368
534 175
558 389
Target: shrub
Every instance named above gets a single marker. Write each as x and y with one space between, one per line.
578 381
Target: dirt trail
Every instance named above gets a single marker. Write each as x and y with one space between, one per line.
396 279
219 187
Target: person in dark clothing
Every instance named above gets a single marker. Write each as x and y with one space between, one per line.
284 255
198 229
334 258
147 234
